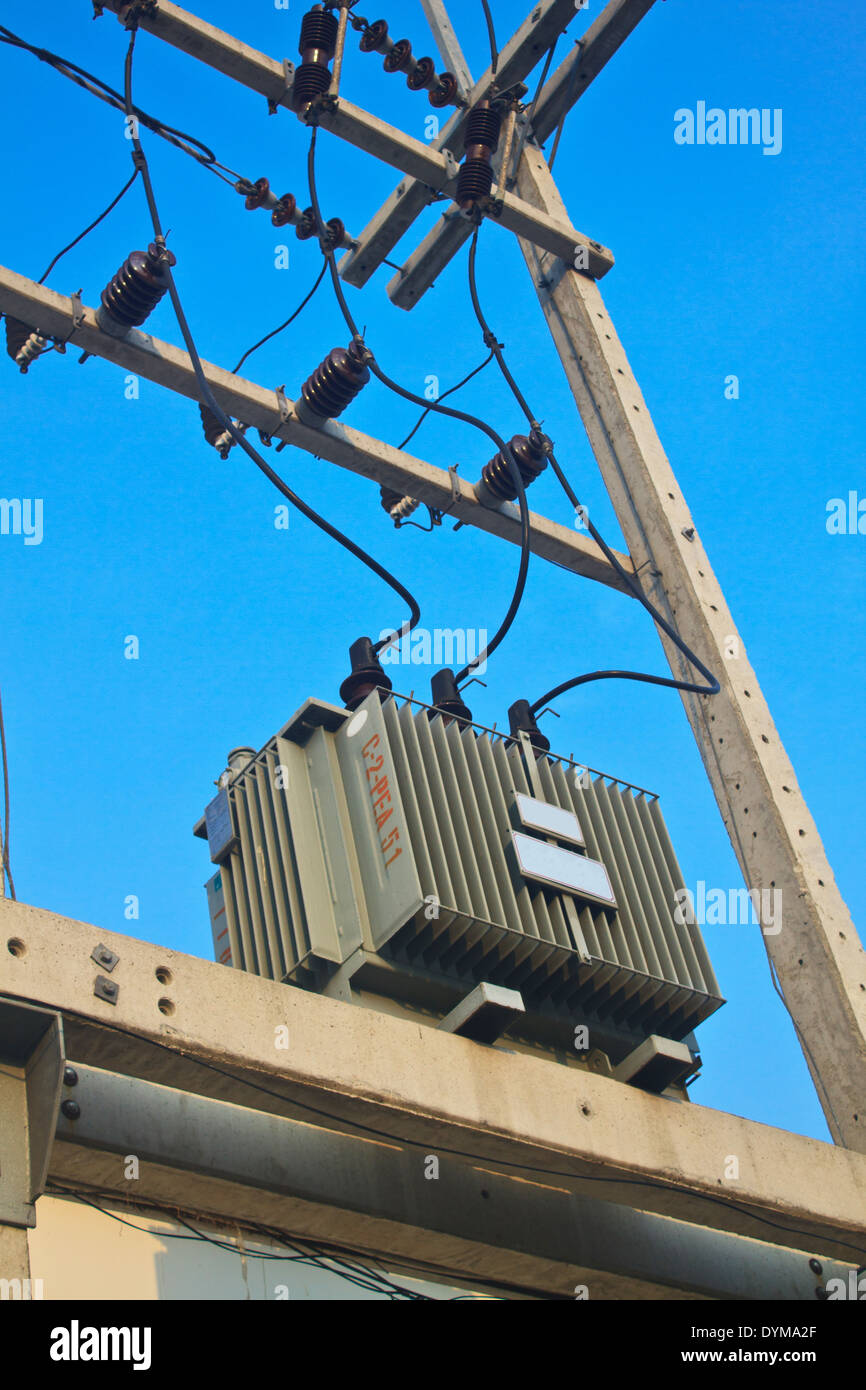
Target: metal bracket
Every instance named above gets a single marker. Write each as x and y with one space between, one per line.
283 404
288 81
452 168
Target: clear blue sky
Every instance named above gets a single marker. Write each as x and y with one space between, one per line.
728 262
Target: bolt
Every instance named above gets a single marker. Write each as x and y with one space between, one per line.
816 1267
70 1076
71 1109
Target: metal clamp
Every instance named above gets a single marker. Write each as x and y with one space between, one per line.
288 84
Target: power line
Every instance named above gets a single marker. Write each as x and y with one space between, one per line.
81 235
670 682
505 449
285 324
189 144
204 387
491 34
315 1255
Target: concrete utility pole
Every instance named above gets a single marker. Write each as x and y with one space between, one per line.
820 964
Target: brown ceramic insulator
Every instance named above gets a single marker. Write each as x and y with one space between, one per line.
138 286
336 382
285 211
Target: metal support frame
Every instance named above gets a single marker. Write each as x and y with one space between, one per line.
383 1200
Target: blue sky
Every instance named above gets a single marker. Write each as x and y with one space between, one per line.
728 261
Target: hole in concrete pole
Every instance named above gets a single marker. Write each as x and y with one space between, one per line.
15 946
165 1006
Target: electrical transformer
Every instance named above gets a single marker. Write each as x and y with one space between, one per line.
393 853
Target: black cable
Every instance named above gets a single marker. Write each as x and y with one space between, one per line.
491 34
4 841
266 339
527 125
450 392
670 682
342 1120
316 1255
113 204
208 397
392 385
189 144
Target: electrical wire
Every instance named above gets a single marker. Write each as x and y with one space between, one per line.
4 838
111 206
317 1256
450 392
266 339
189 144
527 125
207 395
505 449
491 34
670 682
342 1120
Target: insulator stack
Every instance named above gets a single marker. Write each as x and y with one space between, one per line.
447 700
285 212
23 343
530 454
367 674
481 140
337 235
522 721
396 505
317 47
335 383
136 289
420 72
214 433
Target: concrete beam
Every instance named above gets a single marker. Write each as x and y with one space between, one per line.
567 85
395 1080
422 163
340 444
448 44
820 962
547 19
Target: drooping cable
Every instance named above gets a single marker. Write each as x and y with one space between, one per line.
445 394
491 34
285 324
4 838
81 235
687 687
207 395
501 633
318 1256
514 162
189 144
